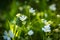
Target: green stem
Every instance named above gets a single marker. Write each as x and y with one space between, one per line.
30 38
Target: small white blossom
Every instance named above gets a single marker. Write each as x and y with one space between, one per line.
5 33
46 28
52 7
8 35
5 37
11 34
8 38
31 10
30 32
23 18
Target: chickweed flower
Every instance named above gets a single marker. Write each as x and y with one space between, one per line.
52 7
11 34
46 28
31 10
23 18
8 35
30 32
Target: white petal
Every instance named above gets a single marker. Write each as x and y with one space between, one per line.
11 34
5 37
5 33
52 7
30 32
31 10
23 17
8 38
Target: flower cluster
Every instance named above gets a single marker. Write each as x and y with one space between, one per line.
46 28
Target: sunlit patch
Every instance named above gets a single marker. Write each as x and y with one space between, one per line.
21 8
58 16
18 14
37 1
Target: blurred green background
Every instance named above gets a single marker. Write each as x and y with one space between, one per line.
9 9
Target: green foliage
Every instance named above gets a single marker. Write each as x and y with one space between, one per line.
32 20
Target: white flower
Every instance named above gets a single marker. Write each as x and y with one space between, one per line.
23 18
5 33
31 10
30 32
11 34
6 38
46 28
52 7
8 35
